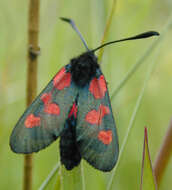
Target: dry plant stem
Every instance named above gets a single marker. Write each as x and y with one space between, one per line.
163 156
33 30
108 24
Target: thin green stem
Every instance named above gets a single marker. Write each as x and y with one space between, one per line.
73 179
122 83
50 176
146 54
107 28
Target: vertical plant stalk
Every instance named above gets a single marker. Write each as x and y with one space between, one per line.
33 31
163 156
106 31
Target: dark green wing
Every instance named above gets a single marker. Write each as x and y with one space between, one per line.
44 119
96 133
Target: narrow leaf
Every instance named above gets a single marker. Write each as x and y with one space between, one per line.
147 176
142 59
73 180
57 185
50 177
132 120
107 28
123 82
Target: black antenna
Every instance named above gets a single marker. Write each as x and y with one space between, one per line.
71 22
139 36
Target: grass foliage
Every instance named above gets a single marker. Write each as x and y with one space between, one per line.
141 93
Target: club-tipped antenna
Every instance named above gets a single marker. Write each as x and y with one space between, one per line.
71 22
139 36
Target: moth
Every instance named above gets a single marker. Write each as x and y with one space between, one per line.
74 106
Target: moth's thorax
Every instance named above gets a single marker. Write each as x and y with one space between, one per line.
83 68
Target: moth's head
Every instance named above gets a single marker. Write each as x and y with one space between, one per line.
83 68
86 58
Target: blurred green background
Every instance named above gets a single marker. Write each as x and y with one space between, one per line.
58 45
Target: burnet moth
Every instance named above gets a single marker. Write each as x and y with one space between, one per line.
74 106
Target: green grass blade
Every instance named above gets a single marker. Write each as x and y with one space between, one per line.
132 120
107 28
145 55
122 83
73 179
57 185
147 177
50 177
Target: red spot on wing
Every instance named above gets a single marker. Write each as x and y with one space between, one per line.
46 98
32 121
49 107
105 137
73 111
52 108
62 79
95 117
98 87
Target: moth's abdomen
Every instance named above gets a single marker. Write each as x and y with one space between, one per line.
69 153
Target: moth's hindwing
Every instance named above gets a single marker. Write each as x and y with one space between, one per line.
95 131
44 120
